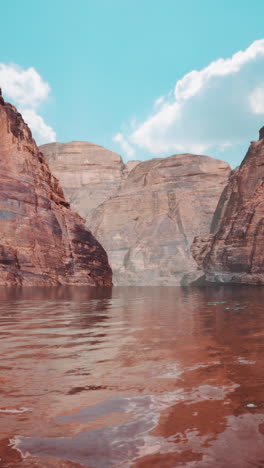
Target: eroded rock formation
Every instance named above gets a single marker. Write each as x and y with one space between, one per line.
89 174
234 252
42 242
148 227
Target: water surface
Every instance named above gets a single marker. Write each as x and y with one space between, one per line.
132 377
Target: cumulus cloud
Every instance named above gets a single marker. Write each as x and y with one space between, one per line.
42 132
211 110
26 89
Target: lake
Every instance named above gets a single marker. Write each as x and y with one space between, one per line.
132 377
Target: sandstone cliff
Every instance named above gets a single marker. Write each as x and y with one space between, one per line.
234 251
148 227
88 173
42 242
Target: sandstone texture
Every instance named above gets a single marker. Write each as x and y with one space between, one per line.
42 242
88 173
147 228
234 252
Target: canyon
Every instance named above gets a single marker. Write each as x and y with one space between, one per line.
145 214
42 242
164 221
233 252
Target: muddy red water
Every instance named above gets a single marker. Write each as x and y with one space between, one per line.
132 377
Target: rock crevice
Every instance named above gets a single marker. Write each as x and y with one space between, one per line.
154 217
234 252
145 214
42 241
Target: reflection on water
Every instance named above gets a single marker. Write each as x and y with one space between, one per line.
140 377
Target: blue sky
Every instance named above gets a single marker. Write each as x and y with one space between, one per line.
106 72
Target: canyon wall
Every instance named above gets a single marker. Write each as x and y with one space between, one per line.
42 242
88 173
234 250
148 227
144 214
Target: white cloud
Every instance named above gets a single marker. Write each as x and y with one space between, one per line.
42 132
194 81
211 110
256 100
26 89
125 146
159 101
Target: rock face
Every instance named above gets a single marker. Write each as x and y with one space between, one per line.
89 174
148 227
42 242
234 252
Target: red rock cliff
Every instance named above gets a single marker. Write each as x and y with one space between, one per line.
42 242
235 250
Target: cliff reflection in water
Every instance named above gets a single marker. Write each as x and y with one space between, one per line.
142 377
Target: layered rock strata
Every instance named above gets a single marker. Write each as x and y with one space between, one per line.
148 227
42 242
89 174
234 252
